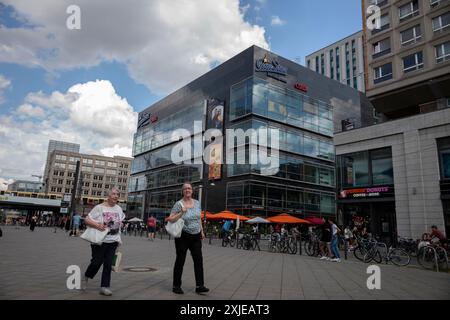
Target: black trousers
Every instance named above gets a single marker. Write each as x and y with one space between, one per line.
193 242
102 255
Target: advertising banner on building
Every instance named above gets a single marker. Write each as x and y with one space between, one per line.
215 118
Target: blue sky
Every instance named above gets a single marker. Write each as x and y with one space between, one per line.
141 54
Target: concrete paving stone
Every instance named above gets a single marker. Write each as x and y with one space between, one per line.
39 272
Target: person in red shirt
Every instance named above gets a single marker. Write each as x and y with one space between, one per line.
436 233
151 226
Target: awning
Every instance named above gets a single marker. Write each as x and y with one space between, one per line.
286 218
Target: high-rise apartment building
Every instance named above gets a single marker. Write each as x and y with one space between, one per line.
342 61
57 145
408 57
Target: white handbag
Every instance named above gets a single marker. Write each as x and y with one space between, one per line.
94 236
175 228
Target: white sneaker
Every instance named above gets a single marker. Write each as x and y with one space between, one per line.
84 283
336 260
328 258
105 291
323 258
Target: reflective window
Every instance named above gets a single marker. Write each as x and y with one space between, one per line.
280 104
160 133
355 169
382 170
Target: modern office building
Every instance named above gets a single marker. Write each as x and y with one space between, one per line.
255 89
408 57
342 61
98 174
26 186
57 145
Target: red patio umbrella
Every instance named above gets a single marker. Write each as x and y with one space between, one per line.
315 220
286 218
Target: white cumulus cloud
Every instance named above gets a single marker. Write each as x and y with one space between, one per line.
91 114
277 21
165 44
4 84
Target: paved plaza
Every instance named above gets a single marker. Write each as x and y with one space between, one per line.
33 266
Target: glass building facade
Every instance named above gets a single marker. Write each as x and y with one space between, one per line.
304 182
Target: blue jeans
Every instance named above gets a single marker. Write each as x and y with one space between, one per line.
334 247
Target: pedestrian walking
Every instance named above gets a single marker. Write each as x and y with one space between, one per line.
325 241
33 223
334 241
102 216
151 226
191 238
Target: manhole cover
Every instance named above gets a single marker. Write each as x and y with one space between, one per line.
139 269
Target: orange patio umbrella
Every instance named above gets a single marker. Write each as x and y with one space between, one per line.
209 215
286 218
228 215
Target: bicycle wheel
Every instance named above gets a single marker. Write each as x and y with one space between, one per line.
369 255
309 248
426 258
232 241
292 246
224 242
399 257
359 252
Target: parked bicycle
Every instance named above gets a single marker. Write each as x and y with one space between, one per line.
397 256
228 239
409 245
431 256
362 246
312 245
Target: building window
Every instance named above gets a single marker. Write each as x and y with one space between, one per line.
441 23
408 10
381 47
442 52
413 62
58 189
309 64
355 169
99 163
444 157
87 161
53 189
382 73
317 64
411 35
322 63
379 3
384 24
381 165
434 3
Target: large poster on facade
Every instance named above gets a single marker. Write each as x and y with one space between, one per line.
215 118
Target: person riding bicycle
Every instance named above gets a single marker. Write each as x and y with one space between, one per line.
438 235
226 228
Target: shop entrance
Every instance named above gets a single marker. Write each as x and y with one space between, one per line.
375 218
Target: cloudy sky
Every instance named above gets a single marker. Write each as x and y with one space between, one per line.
87 86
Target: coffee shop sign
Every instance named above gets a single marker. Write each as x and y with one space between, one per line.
363 192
